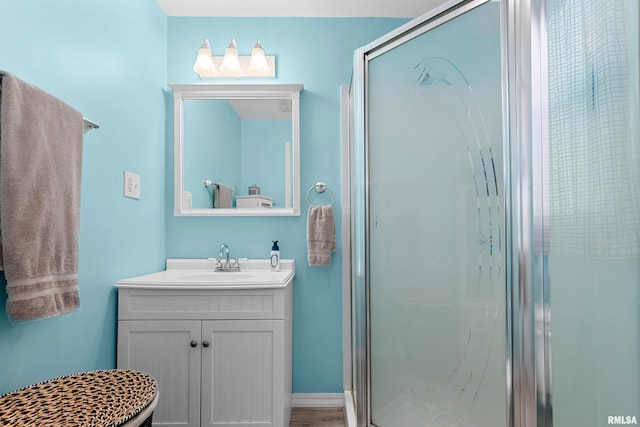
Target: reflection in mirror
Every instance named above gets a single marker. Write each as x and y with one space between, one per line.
236 149
237 144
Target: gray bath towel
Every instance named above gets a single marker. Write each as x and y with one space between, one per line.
321 235
223 197
40 169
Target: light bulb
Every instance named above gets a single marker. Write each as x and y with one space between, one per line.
204 65
230 63
258 65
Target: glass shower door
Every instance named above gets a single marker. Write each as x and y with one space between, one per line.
436 233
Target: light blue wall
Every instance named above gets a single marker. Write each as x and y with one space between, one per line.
108 60
319 54
112 60
263 157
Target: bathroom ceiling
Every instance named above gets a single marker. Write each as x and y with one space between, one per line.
309 8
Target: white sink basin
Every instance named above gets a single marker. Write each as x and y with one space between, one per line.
200 274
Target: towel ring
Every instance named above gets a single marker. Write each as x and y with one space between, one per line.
320 187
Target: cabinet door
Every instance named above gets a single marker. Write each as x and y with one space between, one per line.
242 373
163 349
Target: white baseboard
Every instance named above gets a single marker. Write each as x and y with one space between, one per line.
317 400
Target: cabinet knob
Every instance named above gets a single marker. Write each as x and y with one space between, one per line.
205 343
193 343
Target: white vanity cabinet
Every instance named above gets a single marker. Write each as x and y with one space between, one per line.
221 354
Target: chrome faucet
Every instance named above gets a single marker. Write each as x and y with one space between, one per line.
224 248
226 266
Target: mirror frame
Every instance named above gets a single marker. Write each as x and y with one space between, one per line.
182 92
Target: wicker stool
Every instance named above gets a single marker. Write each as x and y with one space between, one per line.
111 398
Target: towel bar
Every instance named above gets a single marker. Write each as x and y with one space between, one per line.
320 187
89 124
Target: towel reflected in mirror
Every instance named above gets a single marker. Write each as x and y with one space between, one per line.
223 196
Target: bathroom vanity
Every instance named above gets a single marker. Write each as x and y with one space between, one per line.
217 343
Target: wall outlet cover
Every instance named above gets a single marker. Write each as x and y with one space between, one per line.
187 199
131 185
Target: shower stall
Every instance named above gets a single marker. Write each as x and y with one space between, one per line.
495 203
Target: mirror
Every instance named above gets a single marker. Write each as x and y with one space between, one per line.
236 149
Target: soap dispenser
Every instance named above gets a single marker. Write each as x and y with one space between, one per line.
275 256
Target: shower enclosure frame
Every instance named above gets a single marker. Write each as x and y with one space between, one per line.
524 99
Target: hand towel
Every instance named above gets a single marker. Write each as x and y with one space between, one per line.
321 235
40 171
223 197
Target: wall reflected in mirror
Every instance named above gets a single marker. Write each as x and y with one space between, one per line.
237 144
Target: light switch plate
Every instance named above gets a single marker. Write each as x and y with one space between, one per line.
131 185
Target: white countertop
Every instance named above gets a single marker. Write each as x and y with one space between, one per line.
201 274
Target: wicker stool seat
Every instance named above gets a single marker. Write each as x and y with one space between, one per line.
110 398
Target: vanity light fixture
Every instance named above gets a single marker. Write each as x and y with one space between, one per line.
233 65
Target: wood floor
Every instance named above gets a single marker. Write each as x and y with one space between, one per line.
317 417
